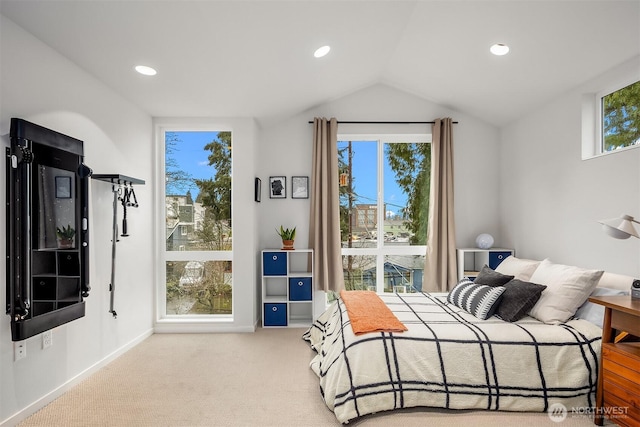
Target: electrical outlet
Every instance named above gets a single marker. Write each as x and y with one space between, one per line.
19 350
47 339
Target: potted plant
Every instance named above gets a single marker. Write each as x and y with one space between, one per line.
65 236
288 236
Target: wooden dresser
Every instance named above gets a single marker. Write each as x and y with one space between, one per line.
618 394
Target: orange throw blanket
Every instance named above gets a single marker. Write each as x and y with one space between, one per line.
368 313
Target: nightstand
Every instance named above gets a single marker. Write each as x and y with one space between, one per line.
618 394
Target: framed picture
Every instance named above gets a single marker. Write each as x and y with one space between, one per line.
277 187
299 187
63 187
258 190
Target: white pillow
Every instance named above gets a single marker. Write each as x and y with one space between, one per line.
594 313
520 268
567 289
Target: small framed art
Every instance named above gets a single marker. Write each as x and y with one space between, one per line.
257 190
277 187
299 187
63 187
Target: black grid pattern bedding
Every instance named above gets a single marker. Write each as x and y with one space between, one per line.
451 359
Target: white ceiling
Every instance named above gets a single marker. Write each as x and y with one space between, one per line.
255 58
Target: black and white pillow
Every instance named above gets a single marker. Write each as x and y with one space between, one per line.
479 300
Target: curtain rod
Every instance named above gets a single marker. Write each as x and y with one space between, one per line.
383 123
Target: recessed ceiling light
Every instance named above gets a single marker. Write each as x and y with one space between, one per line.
499 49
147 71
322 51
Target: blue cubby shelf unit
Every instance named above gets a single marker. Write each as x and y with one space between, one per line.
287 288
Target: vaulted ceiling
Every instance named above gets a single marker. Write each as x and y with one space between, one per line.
255 58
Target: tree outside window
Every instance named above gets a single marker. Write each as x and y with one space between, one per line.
621 118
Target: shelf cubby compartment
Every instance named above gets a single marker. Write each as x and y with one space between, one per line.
300 289
300 313
68 263
274 263
275 288
44 288
68 289
43 263
300 263
275 314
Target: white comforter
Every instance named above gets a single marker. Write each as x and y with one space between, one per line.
450 359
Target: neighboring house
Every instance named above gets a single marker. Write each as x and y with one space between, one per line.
395 231
364 223
402 273
183 219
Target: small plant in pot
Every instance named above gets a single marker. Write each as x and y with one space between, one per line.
288 236
65 236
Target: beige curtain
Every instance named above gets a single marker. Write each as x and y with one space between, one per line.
324 222
440 272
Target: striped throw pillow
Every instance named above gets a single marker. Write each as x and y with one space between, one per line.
479 300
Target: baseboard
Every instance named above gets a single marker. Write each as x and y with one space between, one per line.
59 391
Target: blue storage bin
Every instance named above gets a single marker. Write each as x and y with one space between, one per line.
274 263
495 258
275 314
300 288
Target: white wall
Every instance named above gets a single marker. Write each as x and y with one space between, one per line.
41 86
551 200
285 149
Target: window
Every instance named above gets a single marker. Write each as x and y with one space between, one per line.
384 203
619 118
611 115
198 238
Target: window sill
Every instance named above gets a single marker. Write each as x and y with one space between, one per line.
196 325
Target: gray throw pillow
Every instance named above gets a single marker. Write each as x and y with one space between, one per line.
518 298
490 277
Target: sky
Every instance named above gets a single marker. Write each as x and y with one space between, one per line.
191 157
364 168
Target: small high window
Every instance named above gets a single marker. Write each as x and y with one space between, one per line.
619 118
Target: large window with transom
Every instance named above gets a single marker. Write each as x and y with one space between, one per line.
198 240
384 204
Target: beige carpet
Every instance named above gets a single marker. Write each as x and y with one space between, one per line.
254 379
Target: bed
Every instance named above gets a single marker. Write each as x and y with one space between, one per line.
450 358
